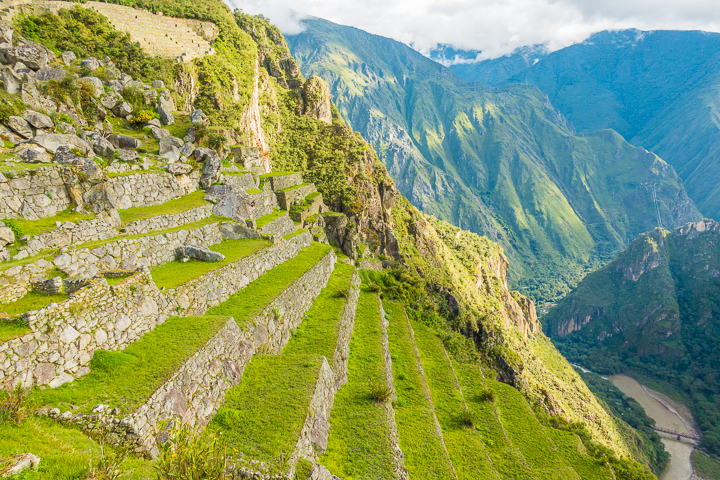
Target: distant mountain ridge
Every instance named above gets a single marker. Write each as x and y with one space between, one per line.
501 162
659 89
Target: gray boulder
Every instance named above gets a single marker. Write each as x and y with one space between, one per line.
189 136
102 146
37 119
115 85
154 123
20 126
174 141
169 151
68 57
124 142
33 55
235 231
200 253
11 80
110 99
20 463
212 171
48 73
125 79
100 198
88 167
34 154
179 168
94 84
122 110
129 156
198 117
165 99
158 84
150 97
166 117
7 236
91 63
187 149
159 133
52 141
6 31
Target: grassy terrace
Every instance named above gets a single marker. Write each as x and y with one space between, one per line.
66 452
425 456
31 301
465 446
506 458
174 274
10 329
263 416
249 302
179 205
47 224
294 187
127 379
265 219
318 333
526 432
359 444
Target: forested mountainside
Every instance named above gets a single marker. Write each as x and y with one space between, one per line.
653 311
252 296
499 162
658 89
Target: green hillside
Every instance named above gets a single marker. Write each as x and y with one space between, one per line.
658 89
499 162
651 312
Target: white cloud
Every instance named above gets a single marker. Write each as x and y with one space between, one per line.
496 27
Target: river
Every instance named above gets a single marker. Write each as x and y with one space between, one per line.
680 467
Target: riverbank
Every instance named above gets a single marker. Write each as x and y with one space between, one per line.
680 467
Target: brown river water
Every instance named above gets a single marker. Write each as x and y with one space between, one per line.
680 467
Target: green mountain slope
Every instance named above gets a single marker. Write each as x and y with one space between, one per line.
653 311
498 162
658 89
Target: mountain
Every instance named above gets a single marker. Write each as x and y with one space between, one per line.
258 300
658 89
653 311
496 71
501 162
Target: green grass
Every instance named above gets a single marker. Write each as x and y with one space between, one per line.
294 187
250 301
465 446
275 174
506 457
31 301
318 332
179 205
187 226
527 434
10 329
253 191
265 219
359 443
127 379
570 446
295 233
174 274
46 254
706 466
65 452
19 166
47 224
264 415
425 456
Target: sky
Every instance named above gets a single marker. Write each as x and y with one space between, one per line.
494 27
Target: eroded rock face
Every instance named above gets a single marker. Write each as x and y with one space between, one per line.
31 54
37 119
316 95
212 171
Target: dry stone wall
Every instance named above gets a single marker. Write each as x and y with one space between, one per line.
144 189
163 222
347 325
72 234
33 194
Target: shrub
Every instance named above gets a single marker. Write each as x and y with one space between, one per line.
379 391
467 419
191 456
141 118
303 469
6 111
13 225
486 396
216 140
109 465
12 400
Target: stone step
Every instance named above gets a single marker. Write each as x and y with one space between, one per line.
311 205
289 196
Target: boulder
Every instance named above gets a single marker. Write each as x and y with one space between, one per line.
158 84
316 95
52 141
150 97
179 168
33 55
100 198
20 126
34 154
189 136
48 73
37 119
129 156
20 463
115 85
68 57
10 136
110 99
212 171
6 31
11 80
94 84
169 151
165 99
102 146
159 133
87 166
198 117
201 253
7 236
122 110
174 141
235 231
187 149
153 123
125 79
124 142
165 114
91 63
